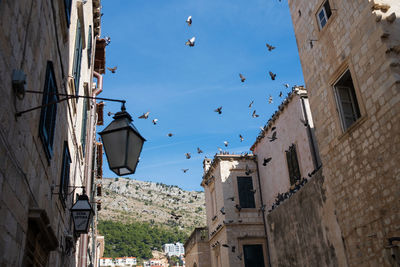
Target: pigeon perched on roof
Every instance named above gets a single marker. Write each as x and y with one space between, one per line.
145 115
189 20
191 41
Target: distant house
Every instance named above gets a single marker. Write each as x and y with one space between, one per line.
176 249
106 262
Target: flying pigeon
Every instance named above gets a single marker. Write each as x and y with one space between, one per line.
110 113
225 245
189 20
251 103
108 40
219 149
273 137
145 115
270 100
241 138
304 122
222 210
286 85
155 121
238 207
272 75
242 78
185 170
170 134
112 69
226 143
270 47
280 94
219 110
199 151
266 161
188 156
273 128
190 42
254 115
248 171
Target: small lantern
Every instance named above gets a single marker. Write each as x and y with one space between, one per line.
122 144
81 214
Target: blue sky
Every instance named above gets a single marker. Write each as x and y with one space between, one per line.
181 86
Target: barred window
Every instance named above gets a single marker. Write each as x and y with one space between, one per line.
293 164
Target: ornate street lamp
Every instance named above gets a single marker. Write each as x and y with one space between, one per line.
82 213
122 144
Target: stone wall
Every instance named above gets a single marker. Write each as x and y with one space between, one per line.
361 164
303 230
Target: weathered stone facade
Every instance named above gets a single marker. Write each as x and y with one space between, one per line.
33 35
197 249
231 226
360 162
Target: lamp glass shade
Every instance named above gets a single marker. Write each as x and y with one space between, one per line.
82 213
122 144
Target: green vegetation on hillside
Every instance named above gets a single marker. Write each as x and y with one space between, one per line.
136 239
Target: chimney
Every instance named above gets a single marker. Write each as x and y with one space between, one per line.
206 164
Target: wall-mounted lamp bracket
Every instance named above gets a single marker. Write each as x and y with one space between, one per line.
66 97
70 186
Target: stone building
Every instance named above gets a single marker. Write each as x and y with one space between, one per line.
47 154
286 149
197 249
350 55
237 233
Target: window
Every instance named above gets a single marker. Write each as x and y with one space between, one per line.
213 202
89 48
293 164
323 15
77 57
84 124
67 5
253 256
49 111
246 192
65 168
346 100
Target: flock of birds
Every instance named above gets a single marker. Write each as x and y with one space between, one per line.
191 43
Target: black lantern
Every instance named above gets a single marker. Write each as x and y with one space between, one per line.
82 214
122 144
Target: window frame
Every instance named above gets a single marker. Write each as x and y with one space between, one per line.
259 259
77 63
90 46
356 110
65 174
293 164
246 199
327 15
48 114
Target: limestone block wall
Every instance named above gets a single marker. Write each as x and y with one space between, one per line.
303 230
360 164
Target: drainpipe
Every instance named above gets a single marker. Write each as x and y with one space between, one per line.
263 212
311 137
99 87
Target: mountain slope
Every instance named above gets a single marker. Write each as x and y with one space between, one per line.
127 200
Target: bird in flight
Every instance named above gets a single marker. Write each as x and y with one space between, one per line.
241 138
145 115
155 121
226 143
219 110
170 134
273 75
219 149
185 170
112 69
189 20
280 94
254 115
286 85
273 128
303 122
270 47
251 103
273 137
266 161
270 99
242 78
248 171
188 156
108 40
199 151
190 42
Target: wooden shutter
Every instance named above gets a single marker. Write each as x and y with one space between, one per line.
293 164
77 57
99 160
246 196
100 114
